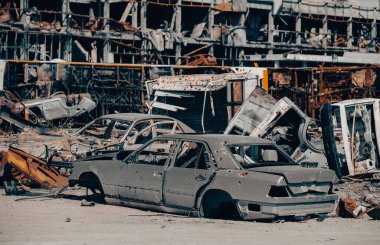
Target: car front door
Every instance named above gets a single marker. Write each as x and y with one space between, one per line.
192 169
141 177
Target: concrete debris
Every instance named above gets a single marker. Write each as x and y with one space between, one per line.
348 208
358 197
86 203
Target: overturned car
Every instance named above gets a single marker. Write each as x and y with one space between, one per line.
210 176
351 134
281 122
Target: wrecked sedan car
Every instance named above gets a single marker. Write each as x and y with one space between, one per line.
351 134
210 176
123 131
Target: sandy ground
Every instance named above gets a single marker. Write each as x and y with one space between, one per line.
64 221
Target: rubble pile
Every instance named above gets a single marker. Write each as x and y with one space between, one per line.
359 197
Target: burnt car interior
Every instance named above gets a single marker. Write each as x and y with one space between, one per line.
285 131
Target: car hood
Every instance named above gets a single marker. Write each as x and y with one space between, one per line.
300 179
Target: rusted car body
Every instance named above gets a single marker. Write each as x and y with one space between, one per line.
281 122
209 175
351 134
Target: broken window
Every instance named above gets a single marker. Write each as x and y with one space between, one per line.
138 127
155 153
193 155
250 155
106 128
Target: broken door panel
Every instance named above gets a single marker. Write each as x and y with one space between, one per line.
351 133
279 121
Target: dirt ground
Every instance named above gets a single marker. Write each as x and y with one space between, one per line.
41 220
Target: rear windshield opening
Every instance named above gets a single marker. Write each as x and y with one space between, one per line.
251 155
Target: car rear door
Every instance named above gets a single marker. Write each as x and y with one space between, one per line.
192 169
141 177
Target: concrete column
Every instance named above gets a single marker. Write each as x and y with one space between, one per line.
298 29
349 29
143 15
211 26
374 28
65 12
299 25
178 31
24 5
270 27
106 15
270 30
325 28
134 14
325 32
107 55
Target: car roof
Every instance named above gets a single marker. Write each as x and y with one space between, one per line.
135 116
228 139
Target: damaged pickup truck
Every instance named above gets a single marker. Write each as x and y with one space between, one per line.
281 122
213 176
351 134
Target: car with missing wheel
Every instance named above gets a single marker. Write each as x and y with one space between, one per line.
210 176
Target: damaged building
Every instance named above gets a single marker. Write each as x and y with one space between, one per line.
223 32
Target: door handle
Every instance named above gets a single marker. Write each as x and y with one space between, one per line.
157 174
201 177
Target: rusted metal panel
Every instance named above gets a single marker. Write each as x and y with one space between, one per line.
35 169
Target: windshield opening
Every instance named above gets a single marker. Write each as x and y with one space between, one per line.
106 128
256 155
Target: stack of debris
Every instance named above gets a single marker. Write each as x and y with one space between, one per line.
359 197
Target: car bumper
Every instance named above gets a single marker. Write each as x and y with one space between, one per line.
284 207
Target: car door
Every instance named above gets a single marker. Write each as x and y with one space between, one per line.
141 176
192 169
